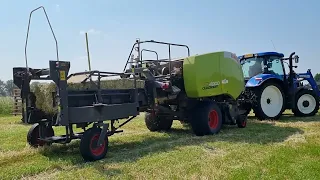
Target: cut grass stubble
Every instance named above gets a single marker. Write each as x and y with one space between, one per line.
284 149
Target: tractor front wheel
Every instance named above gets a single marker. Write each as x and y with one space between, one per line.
206 119
270 101
307 103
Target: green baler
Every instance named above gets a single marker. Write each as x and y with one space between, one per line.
200 90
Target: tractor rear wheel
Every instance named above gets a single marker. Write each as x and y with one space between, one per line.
270 102
206 119
307 103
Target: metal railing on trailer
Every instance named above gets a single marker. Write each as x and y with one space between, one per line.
140 62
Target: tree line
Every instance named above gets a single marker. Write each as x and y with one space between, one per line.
6 88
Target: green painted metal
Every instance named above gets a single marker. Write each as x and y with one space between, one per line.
213 74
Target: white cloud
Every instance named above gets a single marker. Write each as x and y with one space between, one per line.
90 31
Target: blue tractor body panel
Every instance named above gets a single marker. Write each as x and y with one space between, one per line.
260 78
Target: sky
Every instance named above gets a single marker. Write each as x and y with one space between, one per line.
239 26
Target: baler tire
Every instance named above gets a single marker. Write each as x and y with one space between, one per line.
310 94
33 135
259 113
88 149
156 123
207 119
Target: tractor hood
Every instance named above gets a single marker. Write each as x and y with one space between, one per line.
260 78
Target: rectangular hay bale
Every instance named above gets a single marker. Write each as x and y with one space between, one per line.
43 91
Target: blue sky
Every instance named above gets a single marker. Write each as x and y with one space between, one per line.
205 25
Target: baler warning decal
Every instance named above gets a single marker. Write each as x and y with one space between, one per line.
62 75
225 81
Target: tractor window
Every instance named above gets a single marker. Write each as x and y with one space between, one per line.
275 66
252 67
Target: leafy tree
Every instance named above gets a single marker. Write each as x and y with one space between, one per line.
3 91
317 77
9 86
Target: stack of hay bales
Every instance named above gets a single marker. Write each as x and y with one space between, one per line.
44 91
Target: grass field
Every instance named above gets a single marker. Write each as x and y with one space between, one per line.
284 149
6 105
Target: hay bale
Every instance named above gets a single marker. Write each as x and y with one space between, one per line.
43 91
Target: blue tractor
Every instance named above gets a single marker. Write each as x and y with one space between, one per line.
271 89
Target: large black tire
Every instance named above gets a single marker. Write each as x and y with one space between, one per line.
206 119
306 103
270 101
33 135
89 149
157 123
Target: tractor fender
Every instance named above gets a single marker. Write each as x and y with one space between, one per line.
259 79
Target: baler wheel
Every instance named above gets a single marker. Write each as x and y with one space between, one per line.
207 119
89 148
33 135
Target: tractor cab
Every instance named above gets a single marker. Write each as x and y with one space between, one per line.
262 63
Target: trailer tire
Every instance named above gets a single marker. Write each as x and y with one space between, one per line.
263 102
206 119
156 123
88 146
33 135
242 121
304 99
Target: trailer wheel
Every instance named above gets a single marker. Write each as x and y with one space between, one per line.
33 135
89 148
270 101
307 103
156 123
242 121
207 119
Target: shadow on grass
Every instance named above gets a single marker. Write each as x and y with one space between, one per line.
132 150
290 118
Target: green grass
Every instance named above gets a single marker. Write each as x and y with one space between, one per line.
6 105
284 149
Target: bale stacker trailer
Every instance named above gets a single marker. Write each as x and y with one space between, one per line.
196 90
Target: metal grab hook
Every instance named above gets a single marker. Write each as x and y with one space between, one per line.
25 48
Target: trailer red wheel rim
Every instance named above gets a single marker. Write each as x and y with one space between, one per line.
94 148
213 119
35 137
244 123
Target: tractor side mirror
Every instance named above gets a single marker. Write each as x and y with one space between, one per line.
296 59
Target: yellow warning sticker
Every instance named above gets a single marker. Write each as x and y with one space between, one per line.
62 75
